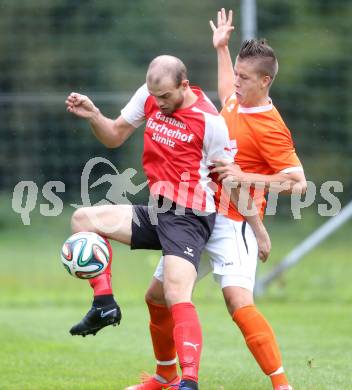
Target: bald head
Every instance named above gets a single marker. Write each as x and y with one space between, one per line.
166 67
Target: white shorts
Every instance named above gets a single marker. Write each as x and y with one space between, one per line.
231 254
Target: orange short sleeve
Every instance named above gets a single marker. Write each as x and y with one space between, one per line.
277 148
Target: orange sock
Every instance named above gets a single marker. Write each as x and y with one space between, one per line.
161 330
261 342
278 379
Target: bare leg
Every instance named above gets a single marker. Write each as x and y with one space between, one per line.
111 221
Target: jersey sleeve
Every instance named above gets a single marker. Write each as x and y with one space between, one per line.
134 112
216 139
277 148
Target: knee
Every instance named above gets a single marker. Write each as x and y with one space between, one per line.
238 298
174 295
155 295
78 220
234 304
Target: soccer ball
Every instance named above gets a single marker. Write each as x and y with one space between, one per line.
85 255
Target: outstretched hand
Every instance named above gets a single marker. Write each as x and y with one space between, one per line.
80 105
223 30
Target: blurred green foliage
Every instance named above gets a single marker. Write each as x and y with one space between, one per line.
102 48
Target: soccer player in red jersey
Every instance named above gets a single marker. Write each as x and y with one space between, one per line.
184 133
264 154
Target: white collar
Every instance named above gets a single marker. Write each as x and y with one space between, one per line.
255 110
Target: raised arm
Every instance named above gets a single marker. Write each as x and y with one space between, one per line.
221 37
111 133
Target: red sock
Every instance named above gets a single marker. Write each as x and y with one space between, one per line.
188 338
102 284
161 330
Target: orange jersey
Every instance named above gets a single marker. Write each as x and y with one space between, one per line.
262 143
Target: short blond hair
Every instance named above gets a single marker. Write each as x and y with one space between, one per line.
259 50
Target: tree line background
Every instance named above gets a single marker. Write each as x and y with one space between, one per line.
102 48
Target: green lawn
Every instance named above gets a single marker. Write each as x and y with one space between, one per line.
309 307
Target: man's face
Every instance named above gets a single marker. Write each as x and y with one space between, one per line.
168 96
250 86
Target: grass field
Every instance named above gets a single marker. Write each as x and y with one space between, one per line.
310 309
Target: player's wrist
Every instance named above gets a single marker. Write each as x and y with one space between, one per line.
94 115
257 225
261 234
222 48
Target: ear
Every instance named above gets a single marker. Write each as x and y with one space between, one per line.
266 81
185 84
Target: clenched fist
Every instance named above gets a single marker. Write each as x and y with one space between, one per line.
80 105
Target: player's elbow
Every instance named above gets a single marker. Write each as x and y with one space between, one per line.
112 144
119 133
114 140
110 139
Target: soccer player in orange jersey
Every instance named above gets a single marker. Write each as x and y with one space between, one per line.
264 154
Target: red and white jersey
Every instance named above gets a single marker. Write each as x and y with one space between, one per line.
178 149
262 142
